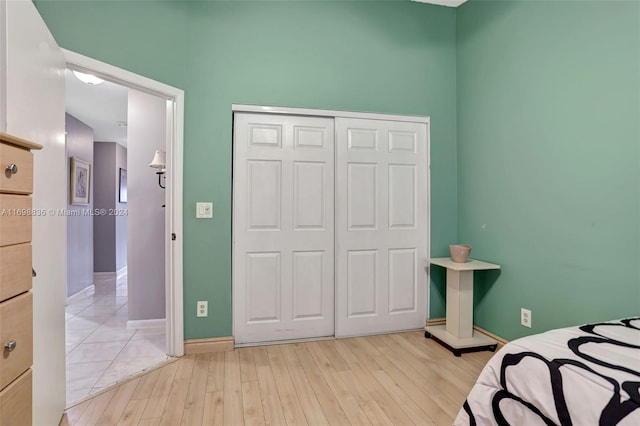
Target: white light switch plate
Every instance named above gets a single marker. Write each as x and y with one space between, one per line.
204 210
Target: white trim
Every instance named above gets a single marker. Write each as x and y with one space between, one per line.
105 275
320 339
447 3
78 62
284 342
327 113
152 323
82 293
428 312
121 272
233 225
3 67
101 276
173 219
174 197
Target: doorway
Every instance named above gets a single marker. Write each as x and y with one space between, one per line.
331 223
167 103
115 313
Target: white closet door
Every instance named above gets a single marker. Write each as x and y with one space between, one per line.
283 227
381 226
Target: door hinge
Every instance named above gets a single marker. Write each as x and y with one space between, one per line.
173 236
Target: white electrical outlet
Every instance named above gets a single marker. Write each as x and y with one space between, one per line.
202 308
204 210
525 317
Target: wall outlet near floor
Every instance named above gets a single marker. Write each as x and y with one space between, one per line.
202 308
525 317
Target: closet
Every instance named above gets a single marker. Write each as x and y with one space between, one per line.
330 224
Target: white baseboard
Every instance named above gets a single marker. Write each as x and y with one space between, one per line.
151 323
84 292
103 275
121 272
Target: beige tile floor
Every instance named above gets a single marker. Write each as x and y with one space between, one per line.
101 350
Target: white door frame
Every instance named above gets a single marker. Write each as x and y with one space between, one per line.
173 218
267 109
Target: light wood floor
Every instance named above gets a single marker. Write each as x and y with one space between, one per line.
394 379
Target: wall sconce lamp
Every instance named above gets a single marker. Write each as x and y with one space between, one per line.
159 162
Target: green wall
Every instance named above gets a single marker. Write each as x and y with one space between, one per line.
548 159
380 56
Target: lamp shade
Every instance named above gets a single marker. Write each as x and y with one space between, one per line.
159 160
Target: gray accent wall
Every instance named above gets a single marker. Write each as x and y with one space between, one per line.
146 133
121 220
104 226
79 141
110 229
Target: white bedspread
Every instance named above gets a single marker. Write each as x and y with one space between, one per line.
587 375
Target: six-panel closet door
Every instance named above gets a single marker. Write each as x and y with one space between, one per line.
283 252
289 184
381 226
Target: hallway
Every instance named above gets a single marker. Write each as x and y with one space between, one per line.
100 349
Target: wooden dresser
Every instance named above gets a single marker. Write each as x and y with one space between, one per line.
16 307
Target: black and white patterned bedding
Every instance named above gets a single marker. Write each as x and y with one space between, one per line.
587 375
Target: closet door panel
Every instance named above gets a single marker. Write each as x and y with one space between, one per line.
283 231
381 226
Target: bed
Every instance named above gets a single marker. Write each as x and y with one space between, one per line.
586 375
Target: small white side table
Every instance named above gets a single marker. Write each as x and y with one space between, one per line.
457 335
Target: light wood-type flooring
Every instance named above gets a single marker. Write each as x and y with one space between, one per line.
393 379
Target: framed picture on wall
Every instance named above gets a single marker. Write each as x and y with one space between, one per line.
80 181
122 187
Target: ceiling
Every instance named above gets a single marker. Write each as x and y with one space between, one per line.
103 107
450 3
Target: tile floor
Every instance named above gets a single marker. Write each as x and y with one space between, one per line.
101 350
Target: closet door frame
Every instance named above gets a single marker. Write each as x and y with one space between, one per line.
278 110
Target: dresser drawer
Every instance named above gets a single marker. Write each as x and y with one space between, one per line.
19 160
15 219
15 401
15 270
16 325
